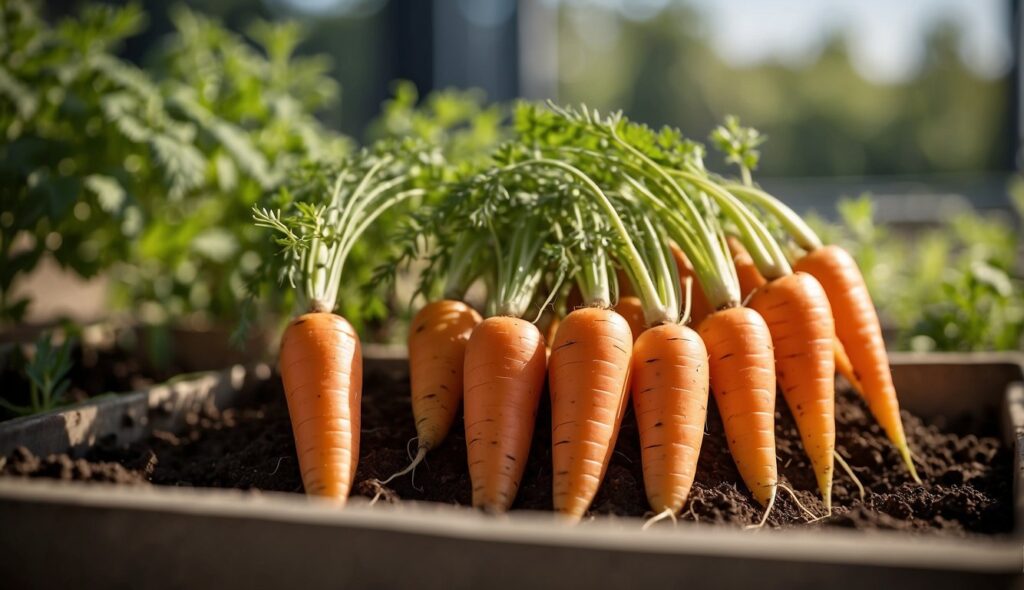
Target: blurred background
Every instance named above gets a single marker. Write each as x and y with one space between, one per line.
842 87
895 126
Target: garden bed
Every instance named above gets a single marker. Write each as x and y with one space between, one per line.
967 470
965 423
108 358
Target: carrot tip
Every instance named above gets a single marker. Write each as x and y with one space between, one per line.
908 458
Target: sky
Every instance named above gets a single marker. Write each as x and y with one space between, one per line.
885 36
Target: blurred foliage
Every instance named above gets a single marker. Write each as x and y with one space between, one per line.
954 287
459 121
149 173
823 117
46 369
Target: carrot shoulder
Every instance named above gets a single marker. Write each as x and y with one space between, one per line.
322 370
504 376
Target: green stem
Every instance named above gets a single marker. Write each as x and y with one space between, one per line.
765 259
463 268
794 225
719 257
592 278
630 256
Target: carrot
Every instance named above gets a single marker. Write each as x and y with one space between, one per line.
670 397
437 349
589 385
750 278
322 369
321 359
504 376
742 370
632 310
860 334
505 357
590 361
799 319
860 350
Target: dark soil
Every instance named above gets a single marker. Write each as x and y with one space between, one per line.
967 477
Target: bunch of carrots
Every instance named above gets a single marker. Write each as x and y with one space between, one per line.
678 285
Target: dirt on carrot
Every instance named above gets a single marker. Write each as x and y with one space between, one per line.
967 489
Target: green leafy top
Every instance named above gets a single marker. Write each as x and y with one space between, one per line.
739 145
326 209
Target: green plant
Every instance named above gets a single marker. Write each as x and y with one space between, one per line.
153 172
46 371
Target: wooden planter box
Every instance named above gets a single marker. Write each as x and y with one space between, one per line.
57 534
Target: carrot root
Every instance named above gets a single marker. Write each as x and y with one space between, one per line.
504 375
322 371
849 471
670 399
437 349
742 371
589 377
421 453
799 319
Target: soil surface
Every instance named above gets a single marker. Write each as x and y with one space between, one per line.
967 487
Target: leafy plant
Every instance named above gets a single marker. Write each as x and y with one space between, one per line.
46 370
104 165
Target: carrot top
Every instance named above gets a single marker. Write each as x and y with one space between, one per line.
323 211
739 146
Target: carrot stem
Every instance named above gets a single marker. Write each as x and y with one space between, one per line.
794 225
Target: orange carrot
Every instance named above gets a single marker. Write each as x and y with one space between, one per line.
321 358
589 385
743 382
322 370
670 398
860 333
437 349
504 376
750 278
799 319
632 310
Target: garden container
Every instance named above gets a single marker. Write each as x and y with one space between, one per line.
59 534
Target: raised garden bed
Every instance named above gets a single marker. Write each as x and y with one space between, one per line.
109 358
237 436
